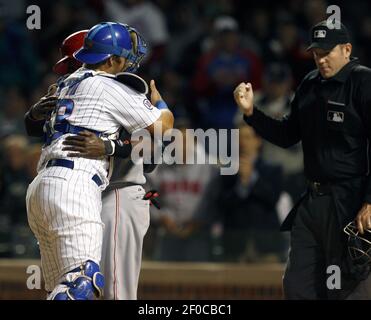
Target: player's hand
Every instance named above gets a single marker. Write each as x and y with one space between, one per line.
43 108
155 95
363 219
244 97
85 145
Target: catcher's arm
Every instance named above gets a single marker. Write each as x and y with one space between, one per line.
35 117
166 120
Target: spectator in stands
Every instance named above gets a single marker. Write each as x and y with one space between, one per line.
14 179
248 202
149 20
289 46
219 70
275 101
19 67
187 206
11 119
364 40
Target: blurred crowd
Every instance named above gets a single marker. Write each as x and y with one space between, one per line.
199 51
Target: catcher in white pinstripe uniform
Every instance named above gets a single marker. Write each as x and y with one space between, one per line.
64 200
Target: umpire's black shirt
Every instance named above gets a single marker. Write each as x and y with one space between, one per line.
332 118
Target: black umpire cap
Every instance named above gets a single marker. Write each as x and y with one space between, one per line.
325 38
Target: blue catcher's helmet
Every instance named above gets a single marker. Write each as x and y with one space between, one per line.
139 49
104 40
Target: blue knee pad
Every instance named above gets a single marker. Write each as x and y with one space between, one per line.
86 286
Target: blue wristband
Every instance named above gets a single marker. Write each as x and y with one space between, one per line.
161 104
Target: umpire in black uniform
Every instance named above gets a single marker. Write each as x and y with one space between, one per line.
331 115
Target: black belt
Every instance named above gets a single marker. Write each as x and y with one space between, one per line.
319 188
70 165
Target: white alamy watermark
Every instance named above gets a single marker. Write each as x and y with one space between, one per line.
34 280
188 146
334 20
334 279
34 19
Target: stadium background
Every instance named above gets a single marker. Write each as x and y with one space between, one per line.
199 51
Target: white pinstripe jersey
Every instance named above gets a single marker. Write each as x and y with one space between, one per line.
102 104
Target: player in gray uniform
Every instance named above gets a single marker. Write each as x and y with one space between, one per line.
126 216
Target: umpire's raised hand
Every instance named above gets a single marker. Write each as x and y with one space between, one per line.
244 97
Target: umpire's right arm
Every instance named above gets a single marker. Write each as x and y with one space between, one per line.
283 133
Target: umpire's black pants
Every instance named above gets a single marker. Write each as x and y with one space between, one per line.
315 244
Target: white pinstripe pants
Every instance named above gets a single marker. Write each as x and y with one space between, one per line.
63 209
